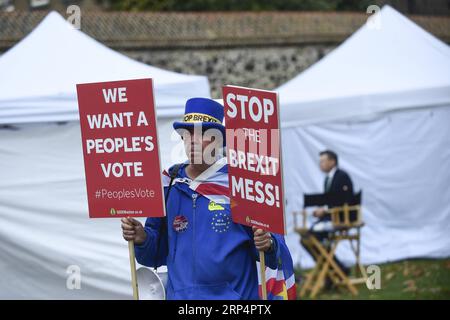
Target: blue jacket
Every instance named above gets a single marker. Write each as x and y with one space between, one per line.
208 256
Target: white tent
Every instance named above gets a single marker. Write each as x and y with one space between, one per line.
43 206
381 100
389 65
39 74
38 78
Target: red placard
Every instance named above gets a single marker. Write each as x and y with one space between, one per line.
254 158
120 149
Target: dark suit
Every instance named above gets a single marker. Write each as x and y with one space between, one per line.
340 184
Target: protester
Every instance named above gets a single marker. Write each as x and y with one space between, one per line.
208 256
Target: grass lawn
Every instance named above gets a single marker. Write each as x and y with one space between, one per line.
408 279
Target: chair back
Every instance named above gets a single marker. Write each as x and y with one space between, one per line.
315 200
345 210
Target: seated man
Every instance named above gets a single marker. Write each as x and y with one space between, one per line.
337 181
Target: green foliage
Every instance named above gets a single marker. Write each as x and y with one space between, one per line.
240 5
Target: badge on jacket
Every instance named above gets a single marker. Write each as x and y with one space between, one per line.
221 222
212 206
180 223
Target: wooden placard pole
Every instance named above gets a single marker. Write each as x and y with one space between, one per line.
133 270
262 271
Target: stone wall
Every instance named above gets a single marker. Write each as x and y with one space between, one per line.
259 67
255 49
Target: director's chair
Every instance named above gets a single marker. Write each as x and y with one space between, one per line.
344 218
347 223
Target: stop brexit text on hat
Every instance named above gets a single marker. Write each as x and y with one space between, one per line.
120 149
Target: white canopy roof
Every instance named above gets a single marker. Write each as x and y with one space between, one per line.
39 74
388 64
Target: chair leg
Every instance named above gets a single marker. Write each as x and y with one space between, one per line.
321 269
362 277
329 258
309 282
334 277
307 285
325 265
313 282
362 270
320 279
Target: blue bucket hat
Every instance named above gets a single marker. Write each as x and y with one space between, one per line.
203 112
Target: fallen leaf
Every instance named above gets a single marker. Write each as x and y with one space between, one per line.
389 276
417 272
410 286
